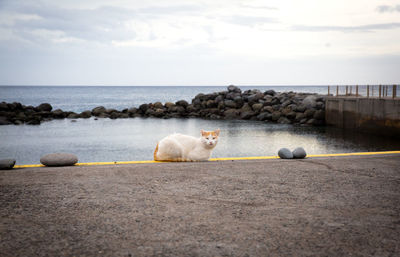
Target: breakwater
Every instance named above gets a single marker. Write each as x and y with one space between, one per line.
233 103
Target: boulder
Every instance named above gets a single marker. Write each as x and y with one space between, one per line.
7 164
247 115
44 107
4 121
285 153
59 159
98 110
309 113
143 108
74 115
158 105
275 116
230 104
257 107
299 153
270 92
284 120
246 108
264 116
182 103
169 105
310 101
231 114
235 89
59 114
84 114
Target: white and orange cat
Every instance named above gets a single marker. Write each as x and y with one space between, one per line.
183 148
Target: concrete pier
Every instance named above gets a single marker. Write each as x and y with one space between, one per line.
327 206
376 115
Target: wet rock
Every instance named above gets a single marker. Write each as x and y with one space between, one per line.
267 109
59 159
33 121
169 105
3 106
74 115
7 164
143 108
309 113
132 111
158 105
211 104
285 153
291 115
98 110
246 108
44 107
159 112
301 108
299 153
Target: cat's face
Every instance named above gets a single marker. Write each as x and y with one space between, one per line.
210 138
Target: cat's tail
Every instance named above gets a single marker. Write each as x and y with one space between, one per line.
155 153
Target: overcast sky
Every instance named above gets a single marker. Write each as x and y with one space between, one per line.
202 42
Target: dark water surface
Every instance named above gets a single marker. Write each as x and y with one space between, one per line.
135 139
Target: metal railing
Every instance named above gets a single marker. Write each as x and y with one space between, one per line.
377 91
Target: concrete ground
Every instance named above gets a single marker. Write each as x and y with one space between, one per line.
337 206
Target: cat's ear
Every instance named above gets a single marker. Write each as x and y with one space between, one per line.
202 132
217 132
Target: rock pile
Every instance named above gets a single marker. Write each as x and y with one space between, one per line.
285 108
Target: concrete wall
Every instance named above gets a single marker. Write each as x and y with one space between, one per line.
379 116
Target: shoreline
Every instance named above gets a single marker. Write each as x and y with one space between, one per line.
284 108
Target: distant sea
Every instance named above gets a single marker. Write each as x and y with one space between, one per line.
81 98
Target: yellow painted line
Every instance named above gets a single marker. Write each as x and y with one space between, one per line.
219 159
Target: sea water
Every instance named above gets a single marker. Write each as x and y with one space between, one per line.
104 140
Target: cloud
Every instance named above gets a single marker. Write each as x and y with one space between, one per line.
250 21
362 28
388 8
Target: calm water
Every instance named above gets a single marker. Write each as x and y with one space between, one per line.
134 139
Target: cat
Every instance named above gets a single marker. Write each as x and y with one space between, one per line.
183 148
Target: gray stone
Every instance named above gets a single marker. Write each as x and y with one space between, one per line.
299 153
230 104
275 116
247 115
270 92
85 115
231 114
285 153
182 103
284 120
59 159
7 164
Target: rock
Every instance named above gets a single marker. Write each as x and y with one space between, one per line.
246 108
158 105
4 121
309 113
247 115
267 109
45 107
98 110
320 106
158 112
239 101
59 159
85 114
319 115
301 108
231 114
169 105
132 111
257 107
7 164
74 115
291 115
270 92
211 104
299 153
299 116
182 103
59 114
284 120
143 108
264 116
310 101
235 89
275 116
252 99
33 121
285 153
3 106
230 104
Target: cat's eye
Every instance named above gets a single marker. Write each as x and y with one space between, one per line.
213 137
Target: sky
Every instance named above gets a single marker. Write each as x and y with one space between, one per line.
199 42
